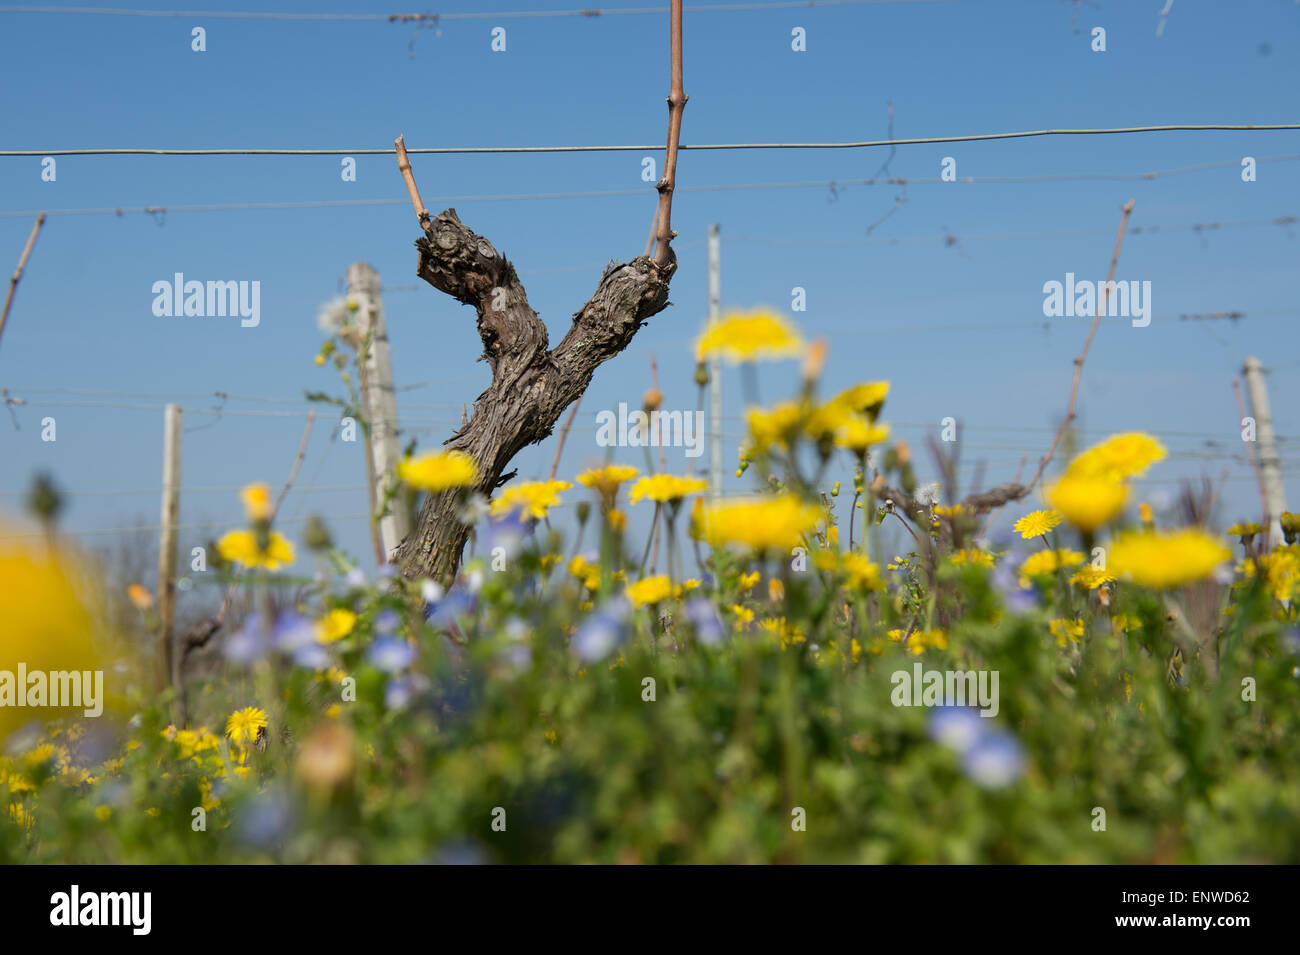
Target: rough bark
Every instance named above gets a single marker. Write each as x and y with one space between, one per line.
532 383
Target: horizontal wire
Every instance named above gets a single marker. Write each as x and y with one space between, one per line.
618 193
478 150
231 489
434 18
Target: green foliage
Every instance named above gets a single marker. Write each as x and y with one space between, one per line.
739 735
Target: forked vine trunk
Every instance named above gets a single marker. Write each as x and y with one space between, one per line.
532 383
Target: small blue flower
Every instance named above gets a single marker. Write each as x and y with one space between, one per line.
391 654
398 694
518 656
960 728
709 629
265 820
601 632
292 632
387 621
455 604
250 643
312 657
995 761
508 533
1007 583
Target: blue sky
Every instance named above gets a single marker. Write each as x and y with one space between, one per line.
957 328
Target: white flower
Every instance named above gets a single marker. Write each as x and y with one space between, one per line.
335 315
927 494
431 591
474 509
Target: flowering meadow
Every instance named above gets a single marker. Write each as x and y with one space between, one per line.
743 683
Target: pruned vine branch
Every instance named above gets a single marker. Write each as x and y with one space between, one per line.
1078 362
662 233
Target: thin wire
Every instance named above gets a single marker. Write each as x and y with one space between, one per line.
476 150
1287 220
614 193
590 13
181 527
323 489
897 424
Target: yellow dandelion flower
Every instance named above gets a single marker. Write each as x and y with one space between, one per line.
1281 569
862 573
823 423
530 499
744 615
335 625
746 582
1047 562
1164 561
1119 457
1087 501
760 523
1036 523
864 398
1246 530
775 426
46 620
585 571
651 590
241 547
665 488
922 640
858 435
439 470
41 755
257 501
748 336
973 556
607 480
1090 578
245 725
1125 623
783 630
1066 631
